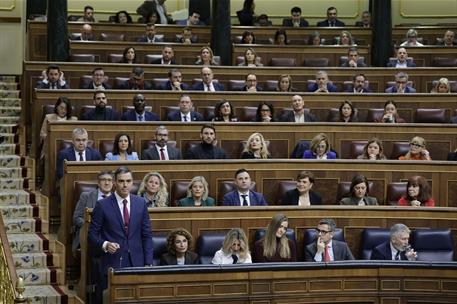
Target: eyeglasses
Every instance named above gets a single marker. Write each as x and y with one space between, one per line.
322 231
416 145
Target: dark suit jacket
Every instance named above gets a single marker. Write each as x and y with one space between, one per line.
290 117
90 86
203 151
148 116
145 39
147 7
360 24
109 115
232 199
199 86
291 197
189 258
126 85
259 88
245 17
288 22
359 65
452 156
365 90
326 23
330 87
393 89
453 120
341 251
176 116
369 200
69 154
167 86
184 22
108 225
384 252
43 85
159 61
152 154
409 64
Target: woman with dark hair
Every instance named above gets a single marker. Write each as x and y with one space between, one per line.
122 148
390 114
122 17
346 112
285 84
248 38
128 55
373 150
246 15
179 243
265 112
235 249
153 17
418 193
256 147
223 111
281 37
314 38
302 195
359 193
319 148
275 246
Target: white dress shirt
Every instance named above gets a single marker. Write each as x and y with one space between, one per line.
240 195
319 257
77 155
221 258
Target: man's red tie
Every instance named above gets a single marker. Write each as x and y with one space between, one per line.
126 216
162 154
326 254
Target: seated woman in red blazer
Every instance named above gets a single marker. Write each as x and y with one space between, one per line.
418 193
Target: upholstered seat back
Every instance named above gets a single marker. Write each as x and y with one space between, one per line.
433 244
207 245
372 237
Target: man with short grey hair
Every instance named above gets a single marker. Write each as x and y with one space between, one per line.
401 84
397 248
162 150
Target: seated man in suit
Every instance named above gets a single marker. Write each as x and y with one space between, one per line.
100 112
401 84
138 113
353 57
448 39
86 33
365 21
331 18
208 148
359 85
98 81
295 20
174 82
185 113
322 84
193 20
162 150
52 79
325 249
397 248
402 60
136 81
150 35
251 84
207 84
78 152
88 200
168 56
298 114
242 196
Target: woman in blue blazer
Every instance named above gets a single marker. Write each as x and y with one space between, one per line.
122 149
319 148
197 194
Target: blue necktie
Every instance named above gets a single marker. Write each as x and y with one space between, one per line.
245 201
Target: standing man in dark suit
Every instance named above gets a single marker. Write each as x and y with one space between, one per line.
298 114
150 35
120 231
397 248
365 21
331 20
185 113
193 20
161 150
100 112
88 200
174 82
295 20
168 56
326 249
242 195
207 84
78 152
136 81
139 113
207 149
52 79
98 81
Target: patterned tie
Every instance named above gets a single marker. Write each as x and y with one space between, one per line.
81 158
326 254
162 154
126 216
245 201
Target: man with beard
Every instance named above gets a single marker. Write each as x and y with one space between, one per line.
138 113
162 150
359 85
298 114
52 79
168 56
100 112
207 149
136 81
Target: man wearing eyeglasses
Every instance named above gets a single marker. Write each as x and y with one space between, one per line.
325 249
401 84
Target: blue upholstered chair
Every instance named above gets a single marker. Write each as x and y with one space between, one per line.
208 244
159 247
372 237
433 244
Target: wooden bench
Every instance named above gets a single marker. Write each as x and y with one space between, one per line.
423 55
428 32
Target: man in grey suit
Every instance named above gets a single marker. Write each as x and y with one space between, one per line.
162 150
88 200
326 249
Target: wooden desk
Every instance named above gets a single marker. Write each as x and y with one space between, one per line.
429 33
423 55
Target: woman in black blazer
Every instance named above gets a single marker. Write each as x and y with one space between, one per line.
302 195
179 241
